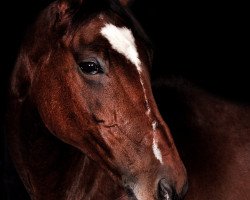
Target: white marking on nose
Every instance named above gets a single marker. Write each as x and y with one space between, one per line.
154 125
156 150
148 112
123 41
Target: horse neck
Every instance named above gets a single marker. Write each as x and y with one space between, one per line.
49 168
220 129
212 136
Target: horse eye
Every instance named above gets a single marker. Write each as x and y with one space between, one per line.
91 68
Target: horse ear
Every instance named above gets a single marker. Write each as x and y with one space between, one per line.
63 10
69 4
126 2
66 7
21 78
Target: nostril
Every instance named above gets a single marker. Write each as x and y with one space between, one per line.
129 191
164 190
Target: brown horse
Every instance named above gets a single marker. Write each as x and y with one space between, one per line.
213 137
82 120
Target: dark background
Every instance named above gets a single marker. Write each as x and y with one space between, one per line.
205 42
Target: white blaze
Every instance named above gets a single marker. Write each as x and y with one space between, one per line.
156 150
154 125
123 41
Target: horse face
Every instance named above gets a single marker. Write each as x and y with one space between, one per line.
94 93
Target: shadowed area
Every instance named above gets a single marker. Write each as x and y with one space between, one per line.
199 44
213 137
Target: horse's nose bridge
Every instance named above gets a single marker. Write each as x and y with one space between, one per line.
156 125
163 132
152 138
150 126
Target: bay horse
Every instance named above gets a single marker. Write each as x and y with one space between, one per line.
82 119
212 134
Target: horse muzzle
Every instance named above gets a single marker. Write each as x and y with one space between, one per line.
166 192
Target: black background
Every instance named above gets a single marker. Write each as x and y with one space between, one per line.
204 41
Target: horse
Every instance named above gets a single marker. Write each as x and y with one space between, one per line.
82 121
212 134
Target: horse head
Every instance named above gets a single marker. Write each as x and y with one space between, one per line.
85 66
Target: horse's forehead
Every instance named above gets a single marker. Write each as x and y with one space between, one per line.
91 30
120 38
